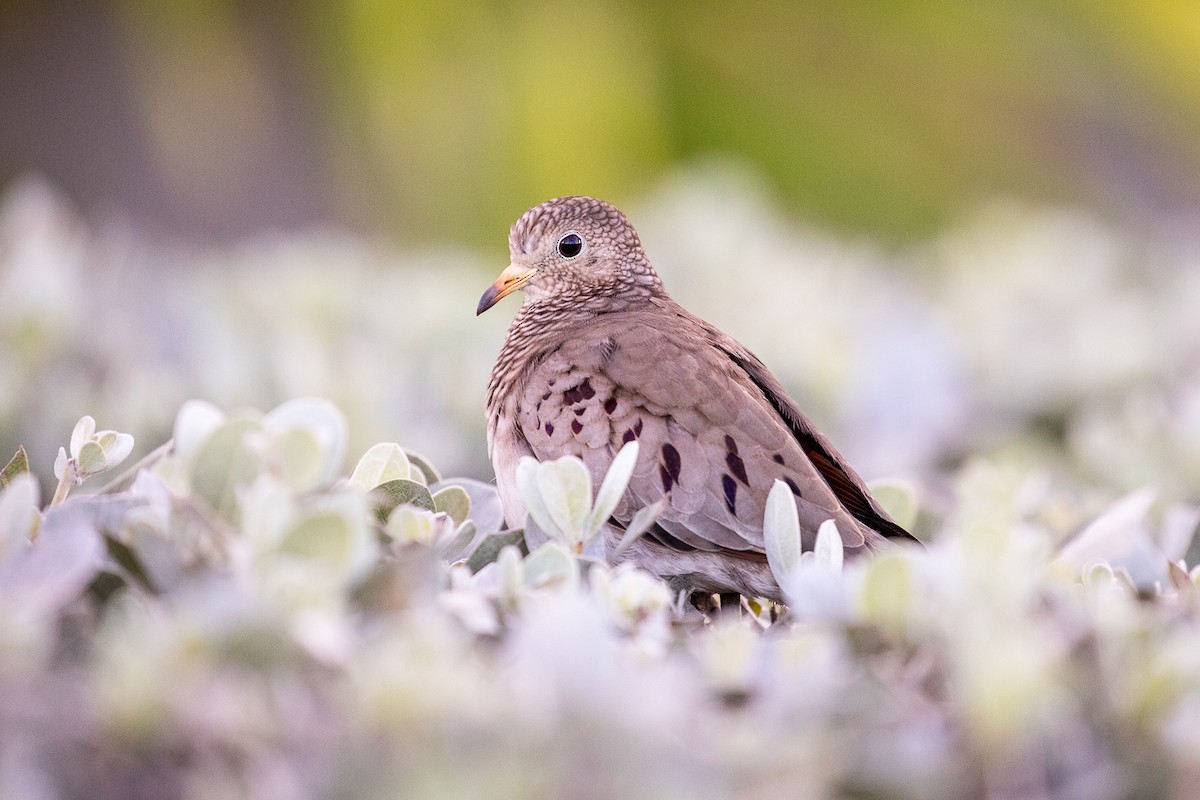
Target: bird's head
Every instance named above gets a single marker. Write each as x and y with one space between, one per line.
570 250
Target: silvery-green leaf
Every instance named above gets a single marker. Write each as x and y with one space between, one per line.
429 474
60 463
336 540
196 421
781 532
531 493
223 463
486 511
1178 530
640 523
455 501
566 489
408 524
489 549
91 458
511 576
298 458
397 493
323 421
18 511
1179 577
551 565
17 465
898 498
1111 535
268 510
454 546
828 550
84 430
382 463
612 488
57 566
117 447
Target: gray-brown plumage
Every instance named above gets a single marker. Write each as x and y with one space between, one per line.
599 354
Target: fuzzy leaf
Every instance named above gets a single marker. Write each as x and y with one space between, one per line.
566 488
455 501
224 463
781 532
551 565
453 548
196 421
17 465
489 549
531 493
18 512
91 458
382 463
429 473
83 432
612 488
397 493
828 550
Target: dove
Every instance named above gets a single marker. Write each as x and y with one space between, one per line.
599 355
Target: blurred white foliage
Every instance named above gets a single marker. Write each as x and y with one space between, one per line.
246 615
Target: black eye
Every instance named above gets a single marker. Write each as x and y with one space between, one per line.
570 245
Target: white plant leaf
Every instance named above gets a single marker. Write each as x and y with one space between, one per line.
322 420
535 506
612 488
91 459
781 533
384 462
551 565
83 432
196 421
511 576
566 489
117 447
640 523
828 550
18 512
1111 535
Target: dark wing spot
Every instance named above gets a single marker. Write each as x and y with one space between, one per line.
546 396
671 460
637 428
730 487
610 405
549 429
730 444
737 467
845 484
792 485
576 426
627 437
778 459
579 411
667 480
585 390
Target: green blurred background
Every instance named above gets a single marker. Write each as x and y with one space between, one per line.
442 121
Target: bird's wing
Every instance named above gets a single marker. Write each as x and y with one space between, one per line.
714 428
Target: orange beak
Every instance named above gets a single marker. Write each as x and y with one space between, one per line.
512 278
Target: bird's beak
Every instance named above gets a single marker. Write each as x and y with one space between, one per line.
513 278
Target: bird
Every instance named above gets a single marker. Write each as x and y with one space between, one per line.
598 355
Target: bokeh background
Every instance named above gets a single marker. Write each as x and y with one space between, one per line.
954 230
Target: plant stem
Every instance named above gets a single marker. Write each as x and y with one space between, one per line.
64 483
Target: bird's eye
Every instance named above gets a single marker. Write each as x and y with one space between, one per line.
570 245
